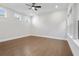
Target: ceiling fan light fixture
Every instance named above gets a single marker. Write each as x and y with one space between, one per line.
33 8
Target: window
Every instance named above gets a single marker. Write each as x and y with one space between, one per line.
2 12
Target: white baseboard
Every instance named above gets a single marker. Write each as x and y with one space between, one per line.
59 38
74 45
15 37
31 35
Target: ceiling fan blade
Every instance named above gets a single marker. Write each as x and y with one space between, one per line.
36 9
38 6
28 5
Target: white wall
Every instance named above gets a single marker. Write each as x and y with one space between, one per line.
72 22
52 24
73 30
11 27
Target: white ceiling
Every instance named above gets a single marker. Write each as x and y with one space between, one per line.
46 7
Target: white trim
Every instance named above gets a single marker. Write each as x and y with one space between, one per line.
74 44
59 38
3 40
76 41
70 36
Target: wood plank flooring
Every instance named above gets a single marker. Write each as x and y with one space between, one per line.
35 46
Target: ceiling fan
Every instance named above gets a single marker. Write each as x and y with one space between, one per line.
33 6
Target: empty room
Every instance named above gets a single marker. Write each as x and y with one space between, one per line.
39 29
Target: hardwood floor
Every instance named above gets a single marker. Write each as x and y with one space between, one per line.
35 46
